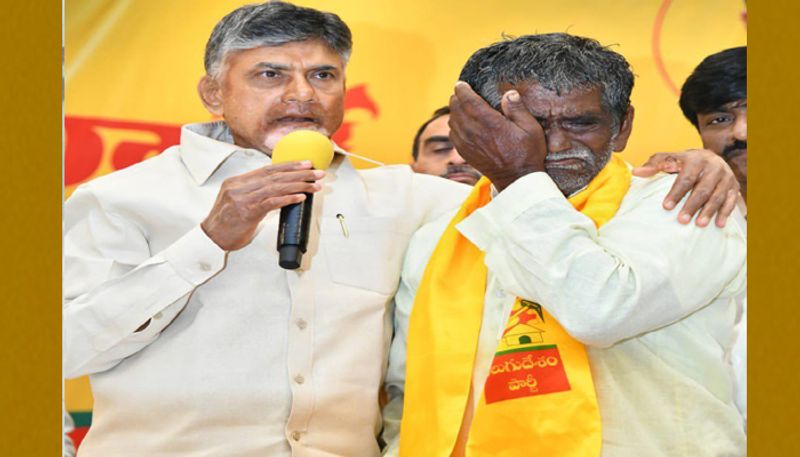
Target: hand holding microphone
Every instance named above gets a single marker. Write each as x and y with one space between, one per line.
296 218
244 200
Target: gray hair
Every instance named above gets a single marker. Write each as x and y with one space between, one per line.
273 24
559 62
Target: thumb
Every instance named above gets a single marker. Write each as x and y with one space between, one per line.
645 171
516 112
661 161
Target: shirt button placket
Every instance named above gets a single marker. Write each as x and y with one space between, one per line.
301 356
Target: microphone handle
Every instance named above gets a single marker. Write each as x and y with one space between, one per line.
293 227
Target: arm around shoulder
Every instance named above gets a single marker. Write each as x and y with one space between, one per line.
640 271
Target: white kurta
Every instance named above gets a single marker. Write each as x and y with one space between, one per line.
654 301
241 357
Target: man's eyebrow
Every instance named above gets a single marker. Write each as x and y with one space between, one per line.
437 139
323 67
586 116
583 117
273 66
283 66
727 107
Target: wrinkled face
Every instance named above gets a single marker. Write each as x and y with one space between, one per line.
266 92
579 132
724 131
437 155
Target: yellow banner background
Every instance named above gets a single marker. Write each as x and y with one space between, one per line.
132 66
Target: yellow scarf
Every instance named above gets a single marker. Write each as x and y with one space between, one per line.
539 398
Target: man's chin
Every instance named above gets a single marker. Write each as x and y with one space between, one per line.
463 178
568 182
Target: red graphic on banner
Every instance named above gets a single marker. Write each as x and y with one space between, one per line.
655 44
526 373
96 145
355 98
89 140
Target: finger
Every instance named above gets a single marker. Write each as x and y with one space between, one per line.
668 162
517 112
453 104
727 208
456 113
272 203
270 169
645 171
285 188
684 182
285 166
655 159
474 106
252 182
301 175
459 121
712 206
457 139
700 196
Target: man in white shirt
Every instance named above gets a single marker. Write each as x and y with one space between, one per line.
433 153
196 342
653 301
714 100
713 183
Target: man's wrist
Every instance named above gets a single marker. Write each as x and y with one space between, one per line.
502 181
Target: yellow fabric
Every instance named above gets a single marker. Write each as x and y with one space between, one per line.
442 340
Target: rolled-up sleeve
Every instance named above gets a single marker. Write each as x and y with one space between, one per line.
640 271
114 285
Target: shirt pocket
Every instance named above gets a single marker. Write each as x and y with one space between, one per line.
364 252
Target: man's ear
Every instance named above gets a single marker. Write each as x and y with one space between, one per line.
625 128
210 94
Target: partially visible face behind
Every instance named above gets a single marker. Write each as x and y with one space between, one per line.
437 155
579 132
724 131
267 92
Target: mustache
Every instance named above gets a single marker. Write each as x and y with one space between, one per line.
467 169
731 148
580 153
297 111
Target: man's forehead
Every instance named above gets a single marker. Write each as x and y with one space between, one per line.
735 104
438 126
308 52
545 101
729 107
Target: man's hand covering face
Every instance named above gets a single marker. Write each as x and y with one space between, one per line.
503 146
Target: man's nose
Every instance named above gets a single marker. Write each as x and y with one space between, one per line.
740 128
298 89
455 158
557 140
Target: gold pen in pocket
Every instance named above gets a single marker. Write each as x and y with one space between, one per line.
344 227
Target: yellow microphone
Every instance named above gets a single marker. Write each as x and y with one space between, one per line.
295 219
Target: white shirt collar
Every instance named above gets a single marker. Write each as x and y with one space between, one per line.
205 146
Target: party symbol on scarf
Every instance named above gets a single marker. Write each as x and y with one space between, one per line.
523 365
